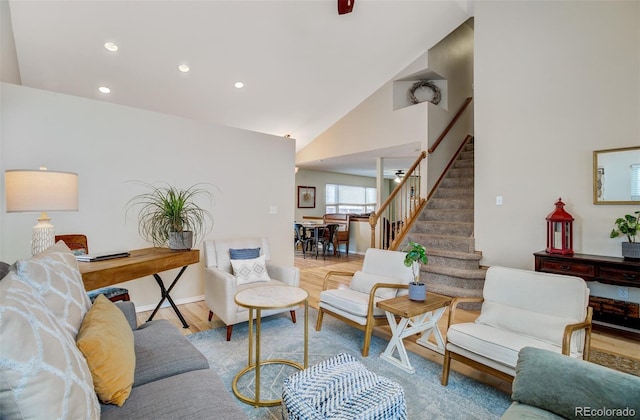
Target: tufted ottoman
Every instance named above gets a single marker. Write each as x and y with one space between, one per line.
341 388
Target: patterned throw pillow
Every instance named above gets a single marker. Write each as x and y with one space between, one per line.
54 274
251 270
244 253
43 373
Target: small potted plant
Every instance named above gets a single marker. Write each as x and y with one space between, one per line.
416 255
169 215
629 225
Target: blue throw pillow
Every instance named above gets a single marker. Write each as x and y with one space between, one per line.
244 254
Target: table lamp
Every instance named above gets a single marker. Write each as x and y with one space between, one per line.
41 191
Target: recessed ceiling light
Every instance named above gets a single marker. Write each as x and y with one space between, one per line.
239 85
183 68
104 89
110 46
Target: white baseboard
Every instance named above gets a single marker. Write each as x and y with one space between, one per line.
166 303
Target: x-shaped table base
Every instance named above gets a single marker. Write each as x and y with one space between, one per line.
165 295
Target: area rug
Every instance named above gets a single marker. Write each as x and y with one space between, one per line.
614 361
281 339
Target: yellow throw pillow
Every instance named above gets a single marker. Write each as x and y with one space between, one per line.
106 340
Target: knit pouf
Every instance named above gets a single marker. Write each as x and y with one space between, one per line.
341 388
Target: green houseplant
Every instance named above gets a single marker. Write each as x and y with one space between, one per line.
416 255
168 215
629 226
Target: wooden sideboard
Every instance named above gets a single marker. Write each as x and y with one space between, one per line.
607 270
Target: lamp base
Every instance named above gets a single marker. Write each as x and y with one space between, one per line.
43 235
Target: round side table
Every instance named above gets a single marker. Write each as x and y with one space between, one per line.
268 297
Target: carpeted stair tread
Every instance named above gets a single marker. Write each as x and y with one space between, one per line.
445 228
451 203
446 215
453 192
456 272
454 254
448 290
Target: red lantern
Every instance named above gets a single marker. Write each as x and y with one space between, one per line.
560 231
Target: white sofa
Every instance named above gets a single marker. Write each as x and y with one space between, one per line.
221 285
520 308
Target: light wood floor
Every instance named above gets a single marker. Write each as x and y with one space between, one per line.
312 273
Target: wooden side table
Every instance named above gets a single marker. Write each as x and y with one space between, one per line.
140 263
415 317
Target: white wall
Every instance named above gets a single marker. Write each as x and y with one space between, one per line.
554 81
108 144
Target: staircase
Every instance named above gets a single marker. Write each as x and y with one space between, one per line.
445 228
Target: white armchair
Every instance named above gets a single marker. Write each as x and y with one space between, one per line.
383 276
221 285
520 308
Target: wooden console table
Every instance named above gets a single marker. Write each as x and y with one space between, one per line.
607 270
140 263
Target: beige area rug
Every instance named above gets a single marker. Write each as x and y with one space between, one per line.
614 361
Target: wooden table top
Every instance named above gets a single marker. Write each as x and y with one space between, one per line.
407 308
140 263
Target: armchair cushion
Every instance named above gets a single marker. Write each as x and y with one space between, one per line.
250 270
523 322
350 301
244 253
364 282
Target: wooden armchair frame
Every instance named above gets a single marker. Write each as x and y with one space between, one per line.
566 343
371 321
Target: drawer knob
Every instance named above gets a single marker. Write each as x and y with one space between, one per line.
565 267
629 276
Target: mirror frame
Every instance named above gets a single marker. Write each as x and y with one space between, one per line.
595 175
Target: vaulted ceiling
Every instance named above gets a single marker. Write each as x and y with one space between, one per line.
303 66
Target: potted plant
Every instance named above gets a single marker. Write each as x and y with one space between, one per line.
416 255
629 225
169 215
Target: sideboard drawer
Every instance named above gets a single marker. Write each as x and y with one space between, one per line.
619 276
569 268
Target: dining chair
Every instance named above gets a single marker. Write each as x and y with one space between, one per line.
328 239
301 239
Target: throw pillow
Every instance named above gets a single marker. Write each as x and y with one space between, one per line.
54 274
43 374
106 340
244 253
251 270
364 282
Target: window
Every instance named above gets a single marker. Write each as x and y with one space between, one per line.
635 182
349 199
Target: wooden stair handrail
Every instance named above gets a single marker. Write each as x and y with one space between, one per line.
453 159
398 187
451 124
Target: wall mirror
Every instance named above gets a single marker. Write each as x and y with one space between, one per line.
616 176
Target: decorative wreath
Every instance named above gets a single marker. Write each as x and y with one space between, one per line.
425 84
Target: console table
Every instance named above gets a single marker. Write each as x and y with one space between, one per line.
607 270
140 263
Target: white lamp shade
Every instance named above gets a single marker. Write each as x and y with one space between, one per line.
38 191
